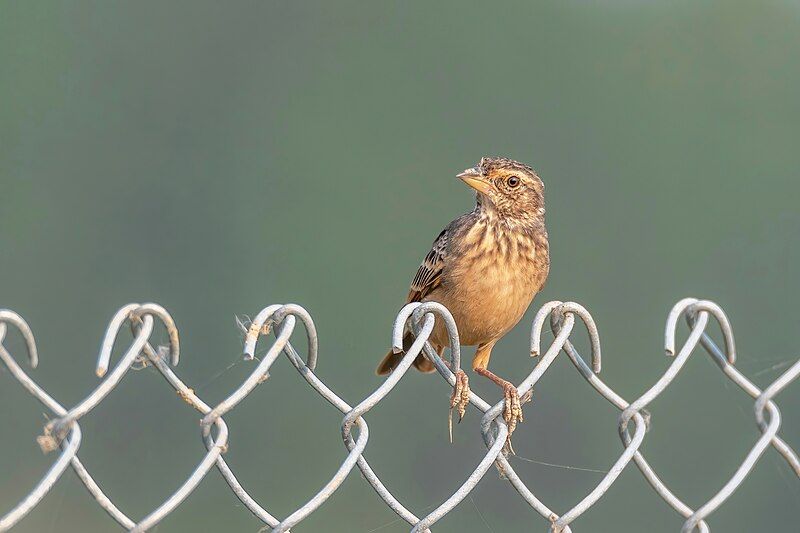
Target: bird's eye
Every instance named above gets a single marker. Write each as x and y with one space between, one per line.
513 181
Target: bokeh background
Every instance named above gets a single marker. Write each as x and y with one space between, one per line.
217 158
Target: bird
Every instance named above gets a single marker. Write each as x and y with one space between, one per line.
485 267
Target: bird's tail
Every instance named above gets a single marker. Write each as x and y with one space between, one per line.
392 359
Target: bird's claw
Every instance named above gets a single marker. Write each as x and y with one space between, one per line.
459 399
512 410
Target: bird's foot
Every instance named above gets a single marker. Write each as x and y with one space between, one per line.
512 411
459 399
512 403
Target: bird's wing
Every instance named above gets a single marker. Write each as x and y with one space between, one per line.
429 274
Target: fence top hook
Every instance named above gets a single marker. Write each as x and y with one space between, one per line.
7 316
135 313
416 312
556 310
275 314
691 307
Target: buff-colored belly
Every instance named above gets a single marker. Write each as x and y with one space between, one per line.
485 302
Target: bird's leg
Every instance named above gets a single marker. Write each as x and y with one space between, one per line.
512 410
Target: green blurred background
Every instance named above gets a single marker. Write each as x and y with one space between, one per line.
217 158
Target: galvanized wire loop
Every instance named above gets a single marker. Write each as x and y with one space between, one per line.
762 398
284 316
411 315
154 310
8 316
56 427
561 320
73 441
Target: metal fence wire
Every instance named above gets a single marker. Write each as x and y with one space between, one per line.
63 431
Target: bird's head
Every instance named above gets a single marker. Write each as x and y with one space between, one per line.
510 190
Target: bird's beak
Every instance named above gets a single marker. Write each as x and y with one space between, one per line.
474 178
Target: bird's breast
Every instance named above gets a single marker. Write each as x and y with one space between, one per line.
492 280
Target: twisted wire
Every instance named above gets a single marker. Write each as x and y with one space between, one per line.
63 431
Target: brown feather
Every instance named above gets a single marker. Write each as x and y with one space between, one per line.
429 273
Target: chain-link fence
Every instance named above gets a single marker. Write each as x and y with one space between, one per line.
63 431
